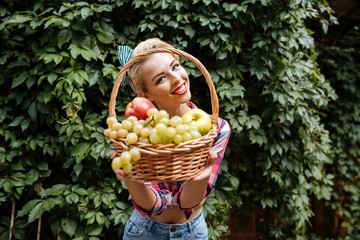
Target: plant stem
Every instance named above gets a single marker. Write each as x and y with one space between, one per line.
12 220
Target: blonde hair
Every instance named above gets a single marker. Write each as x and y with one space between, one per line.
136 69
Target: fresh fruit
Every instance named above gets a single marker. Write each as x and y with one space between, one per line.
180 129
138 107
126 124
186 137
137 128
128 167
156 129
122 132
154 138
145 132
110 121
115 126
131 138
160 127
170 132
162 114
125 158
114 134
107 132
116 163
175 120
132 119
135 154
152 111
198 118
177 138
195 134
143 140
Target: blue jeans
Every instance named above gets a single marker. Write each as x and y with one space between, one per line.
139 227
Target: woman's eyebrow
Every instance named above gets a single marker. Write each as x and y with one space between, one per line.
172 62
159 74
162 72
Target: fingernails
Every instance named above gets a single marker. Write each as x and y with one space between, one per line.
113 153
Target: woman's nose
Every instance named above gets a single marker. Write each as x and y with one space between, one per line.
175 78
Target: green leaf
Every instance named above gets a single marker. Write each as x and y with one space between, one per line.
64 36
94 229
51 77
28 207
36 212
17 121
87 53
86 12
189 31
74 197
69 226
32 110
94 77
80 151
74 50
55 190
81 191
20 19
19 80
105 37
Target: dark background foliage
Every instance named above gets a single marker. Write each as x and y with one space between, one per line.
292 109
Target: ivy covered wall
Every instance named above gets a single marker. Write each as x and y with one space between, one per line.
58 61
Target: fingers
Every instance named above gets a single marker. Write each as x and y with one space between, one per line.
207 171
120 174
212 157
113 153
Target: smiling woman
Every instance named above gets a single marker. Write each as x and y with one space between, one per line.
169 210
166 84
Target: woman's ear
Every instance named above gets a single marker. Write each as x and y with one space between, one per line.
142 94
145 95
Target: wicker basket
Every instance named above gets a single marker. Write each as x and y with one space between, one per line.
169 162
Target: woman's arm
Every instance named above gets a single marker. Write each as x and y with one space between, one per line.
194 191
140 193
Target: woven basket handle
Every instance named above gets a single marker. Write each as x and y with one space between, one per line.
213 95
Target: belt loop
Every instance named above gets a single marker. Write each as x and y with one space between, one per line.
150 224
189 226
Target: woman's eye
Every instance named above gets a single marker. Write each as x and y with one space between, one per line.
176 66
160 79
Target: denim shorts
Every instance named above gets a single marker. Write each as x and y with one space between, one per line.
139 227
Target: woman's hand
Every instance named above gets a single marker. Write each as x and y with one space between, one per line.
206 173
120 174
140 193
194 190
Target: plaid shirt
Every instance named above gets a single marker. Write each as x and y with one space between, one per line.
168 193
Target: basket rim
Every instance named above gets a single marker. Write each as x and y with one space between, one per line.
195 61
162 148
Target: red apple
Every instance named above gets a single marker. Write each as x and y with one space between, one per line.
138 107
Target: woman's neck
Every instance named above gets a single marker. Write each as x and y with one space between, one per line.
179 110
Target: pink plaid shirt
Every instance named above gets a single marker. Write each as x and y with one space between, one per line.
168 193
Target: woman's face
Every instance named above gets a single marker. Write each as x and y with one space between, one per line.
166 81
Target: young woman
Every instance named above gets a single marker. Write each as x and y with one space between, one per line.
170 210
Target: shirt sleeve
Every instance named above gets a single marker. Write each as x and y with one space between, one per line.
219 146
159 205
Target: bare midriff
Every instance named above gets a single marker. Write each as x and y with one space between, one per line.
175 215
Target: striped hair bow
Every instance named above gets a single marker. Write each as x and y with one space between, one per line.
124 54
